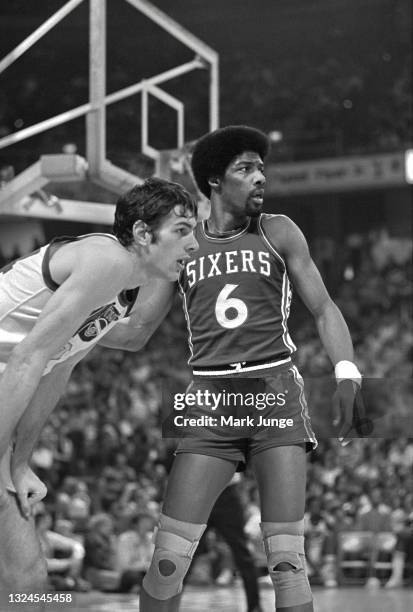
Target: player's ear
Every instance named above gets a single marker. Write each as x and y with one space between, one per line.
142 233
214 182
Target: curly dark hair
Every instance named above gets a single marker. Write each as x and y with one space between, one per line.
150 202
214 151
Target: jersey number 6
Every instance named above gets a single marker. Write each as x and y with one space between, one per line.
225 303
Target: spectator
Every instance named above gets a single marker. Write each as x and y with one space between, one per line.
403 552
101 557
73 503
100 553
135 549
64 555
377 517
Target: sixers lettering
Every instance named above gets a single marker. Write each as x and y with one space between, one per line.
239 284
230 262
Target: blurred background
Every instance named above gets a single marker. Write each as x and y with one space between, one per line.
331 82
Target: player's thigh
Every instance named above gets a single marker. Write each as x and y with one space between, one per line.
281 478
22 565
194 484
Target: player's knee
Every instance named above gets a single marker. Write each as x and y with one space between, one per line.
284 567
175 545
284 546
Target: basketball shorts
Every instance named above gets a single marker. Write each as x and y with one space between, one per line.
235 417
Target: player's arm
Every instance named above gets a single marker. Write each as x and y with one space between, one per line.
288 239
332 328
91 282
50 389
152 305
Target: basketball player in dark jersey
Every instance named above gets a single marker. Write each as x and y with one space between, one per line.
236 294
55 305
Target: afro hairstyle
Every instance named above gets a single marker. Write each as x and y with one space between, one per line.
214 151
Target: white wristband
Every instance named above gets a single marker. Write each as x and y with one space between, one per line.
347 370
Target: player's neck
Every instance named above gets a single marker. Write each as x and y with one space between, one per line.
224 222
139 267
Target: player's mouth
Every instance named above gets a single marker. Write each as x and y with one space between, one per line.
180 263
257 196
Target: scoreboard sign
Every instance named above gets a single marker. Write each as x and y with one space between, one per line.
339 174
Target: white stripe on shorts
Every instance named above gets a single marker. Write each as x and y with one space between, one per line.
239 368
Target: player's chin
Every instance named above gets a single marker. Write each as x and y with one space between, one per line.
173 273
253 211
254 208
172 276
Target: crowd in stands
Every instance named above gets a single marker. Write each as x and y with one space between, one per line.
105 463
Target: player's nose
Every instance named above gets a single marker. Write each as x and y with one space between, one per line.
192 245
259 177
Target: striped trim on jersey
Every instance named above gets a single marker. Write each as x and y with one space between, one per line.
286 291
188 322
285 308
228 238
304 407
52 247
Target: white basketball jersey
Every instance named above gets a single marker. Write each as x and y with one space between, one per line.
26 286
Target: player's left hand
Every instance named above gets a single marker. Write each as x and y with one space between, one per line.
349 414
29 488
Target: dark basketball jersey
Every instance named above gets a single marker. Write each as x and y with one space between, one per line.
236 297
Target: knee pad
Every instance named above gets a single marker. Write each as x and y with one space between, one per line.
284 547
175 545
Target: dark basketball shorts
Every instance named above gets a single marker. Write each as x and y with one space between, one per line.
235 417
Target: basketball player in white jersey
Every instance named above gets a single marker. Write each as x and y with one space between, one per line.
236 293
55 305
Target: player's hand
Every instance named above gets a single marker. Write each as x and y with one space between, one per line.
349 414
29 488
